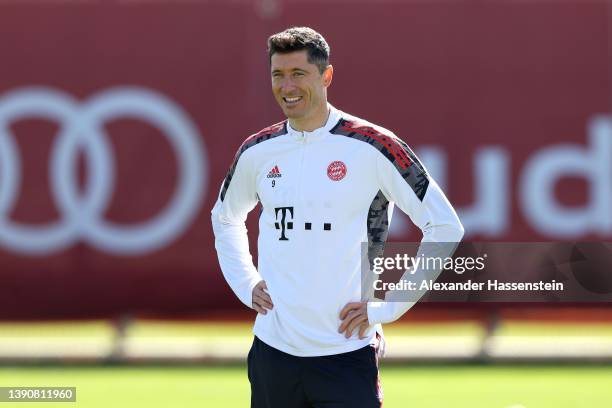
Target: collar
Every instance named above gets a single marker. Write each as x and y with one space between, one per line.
332 118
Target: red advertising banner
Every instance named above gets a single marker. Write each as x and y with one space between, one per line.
119 119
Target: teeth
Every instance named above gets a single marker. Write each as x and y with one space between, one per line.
291 100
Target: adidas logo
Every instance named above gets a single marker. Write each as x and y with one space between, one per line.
274 173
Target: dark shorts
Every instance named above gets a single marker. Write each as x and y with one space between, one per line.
280 380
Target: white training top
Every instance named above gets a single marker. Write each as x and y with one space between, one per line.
323 193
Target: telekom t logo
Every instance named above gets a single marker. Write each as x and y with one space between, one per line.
285 223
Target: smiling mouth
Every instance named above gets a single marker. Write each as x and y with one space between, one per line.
292 100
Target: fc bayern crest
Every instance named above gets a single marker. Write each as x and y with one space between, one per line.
336 170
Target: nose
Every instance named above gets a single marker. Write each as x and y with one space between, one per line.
287 85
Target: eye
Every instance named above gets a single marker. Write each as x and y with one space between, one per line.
298 74
276 75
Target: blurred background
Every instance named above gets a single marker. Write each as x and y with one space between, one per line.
120 118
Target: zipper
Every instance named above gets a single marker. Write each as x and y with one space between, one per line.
301 170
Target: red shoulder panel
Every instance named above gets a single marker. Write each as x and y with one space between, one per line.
387 141
277 127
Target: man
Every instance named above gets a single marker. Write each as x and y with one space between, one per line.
327 182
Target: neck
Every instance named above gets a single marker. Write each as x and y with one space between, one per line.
312 122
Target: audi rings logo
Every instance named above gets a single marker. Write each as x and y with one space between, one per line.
82 130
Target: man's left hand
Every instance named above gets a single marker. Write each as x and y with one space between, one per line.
354 315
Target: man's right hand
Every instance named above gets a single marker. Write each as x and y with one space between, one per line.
261 298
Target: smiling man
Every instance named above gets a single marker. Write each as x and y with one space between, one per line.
327 182
300 82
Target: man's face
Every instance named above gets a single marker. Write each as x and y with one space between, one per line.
297 85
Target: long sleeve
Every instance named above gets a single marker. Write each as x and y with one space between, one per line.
236 199
406 182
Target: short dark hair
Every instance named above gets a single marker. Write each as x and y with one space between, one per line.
301 38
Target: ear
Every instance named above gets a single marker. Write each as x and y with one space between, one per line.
328 75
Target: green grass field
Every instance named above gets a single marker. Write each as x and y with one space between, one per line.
456 386
418 386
